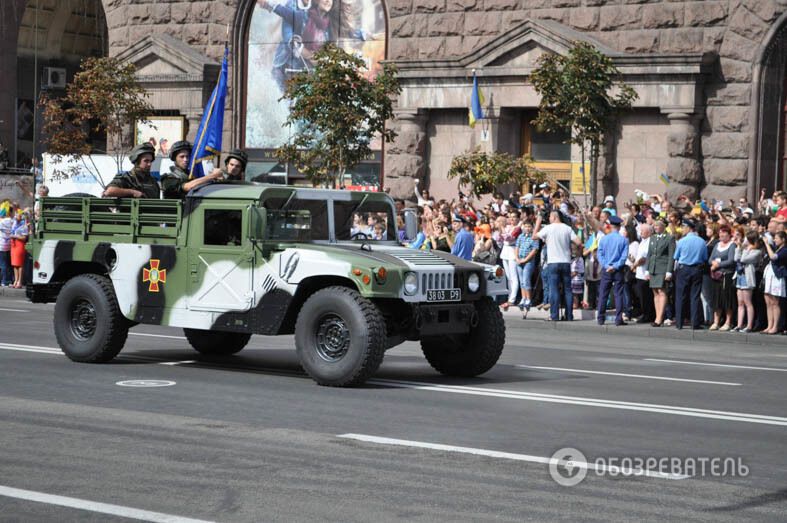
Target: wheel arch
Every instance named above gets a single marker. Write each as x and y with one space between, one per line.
306 288
67 270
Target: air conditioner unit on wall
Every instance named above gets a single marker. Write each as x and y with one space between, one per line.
54 78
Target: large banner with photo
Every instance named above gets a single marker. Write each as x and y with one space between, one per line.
283 37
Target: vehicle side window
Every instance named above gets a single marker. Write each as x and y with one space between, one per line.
223 227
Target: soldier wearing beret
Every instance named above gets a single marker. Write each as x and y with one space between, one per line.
176 183
138 183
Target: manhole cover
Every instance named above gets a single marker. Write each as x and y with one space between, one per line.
145 383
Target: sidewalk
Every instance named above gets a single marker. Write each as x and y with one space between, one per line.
585 322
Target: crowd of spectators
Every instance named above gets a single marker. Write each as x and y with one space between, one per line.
720 265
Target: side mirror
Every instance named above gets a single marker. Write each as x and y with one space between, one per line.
256 223
410 224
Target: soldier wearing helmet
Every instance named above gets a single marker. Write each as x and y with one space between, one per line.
176 183
138 183
234 166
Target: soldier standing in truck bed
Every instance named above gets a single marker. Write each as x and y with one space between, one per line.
138 183
176 183
235 166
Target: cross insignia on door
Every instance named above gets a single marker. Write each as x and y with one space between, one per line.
154 275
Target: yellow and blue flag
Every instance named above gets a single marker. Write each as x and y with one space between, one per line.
208 144
664 179
476 102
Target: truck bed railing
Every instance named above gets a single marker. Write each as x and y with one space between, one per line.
123 219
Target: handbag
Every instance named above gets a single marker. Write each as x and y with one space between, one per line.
716 275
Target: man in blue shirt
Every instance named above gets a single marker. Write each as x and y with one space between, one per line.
613 250
464 240
691 255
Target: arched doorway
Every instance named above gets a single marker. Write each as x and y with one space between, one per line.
277 41
770 96
53 38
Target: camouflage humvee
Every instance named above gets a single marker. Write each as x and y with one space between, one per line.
233 260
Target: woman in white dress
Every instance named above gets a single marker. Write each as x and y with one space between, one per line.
775 279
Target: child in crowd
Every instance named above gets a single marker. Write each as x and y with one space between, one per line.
577 275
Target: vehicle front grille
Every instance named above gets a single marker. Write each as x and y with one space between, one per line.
431 281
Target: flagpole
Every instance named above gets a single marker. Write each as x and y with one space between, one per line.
213 97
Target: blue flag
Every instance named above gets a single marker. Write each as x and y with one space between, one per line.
208 143
476 101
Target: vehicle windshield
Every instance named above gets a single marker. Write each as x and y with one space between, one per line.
372 220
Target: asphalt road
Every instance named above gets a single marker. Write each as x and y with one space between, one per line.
251 438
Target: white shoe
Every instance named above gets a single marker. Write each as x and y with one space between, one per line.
668 323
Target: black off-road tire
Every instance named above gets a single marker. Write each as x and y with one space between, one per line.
88 324
471 354
350 324
216 343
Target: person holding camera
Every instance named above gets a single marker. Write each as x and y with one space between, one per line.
775 279
441 239
558 238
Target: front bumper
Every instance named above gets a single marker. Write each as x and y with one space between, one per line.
445 318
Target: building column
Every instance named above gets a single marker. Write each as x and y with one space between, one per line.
405 160
683 167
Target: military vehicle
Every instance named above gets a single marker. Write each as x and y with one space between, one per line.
232 260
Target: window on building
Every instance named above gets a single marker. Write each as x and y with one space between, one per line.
549 147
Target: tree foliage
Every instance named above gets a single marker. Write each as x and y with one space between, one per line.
335 113
577 96
104 97
483 172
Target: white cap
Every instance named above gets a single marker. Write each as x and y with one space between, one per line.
609 198
528 196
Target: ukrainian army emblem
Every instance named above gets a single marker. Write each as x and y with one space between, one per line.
154 275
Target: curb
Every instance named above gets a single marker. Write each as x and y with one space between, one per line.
588 327
10 292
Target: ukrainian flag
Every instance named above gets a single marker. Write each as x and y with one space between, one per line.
208 145
476 102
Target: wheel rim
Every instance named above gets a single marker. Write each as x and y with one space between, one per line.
83 320
332 338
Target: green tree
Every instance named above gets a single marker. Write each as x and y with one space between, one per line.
576 97
335 113
104 97
483 172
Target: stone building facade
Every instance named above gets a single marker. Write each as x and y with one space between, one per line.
710 76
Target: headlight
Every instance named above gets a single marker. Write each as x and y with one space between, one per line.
473 283
410 283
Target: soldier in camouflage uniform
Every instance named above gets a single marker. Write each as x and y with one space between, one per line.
176 183
138 183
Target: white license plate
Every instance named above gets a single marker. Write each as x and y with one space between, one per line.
444 295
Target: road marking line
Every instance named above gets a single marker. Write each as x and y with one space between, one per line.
14 310
776 369
93 506
177 362
157 335
509 394
501 455
29 348
588 402
630 375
